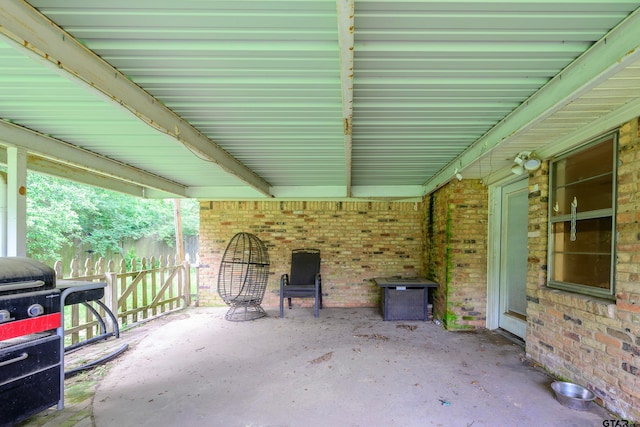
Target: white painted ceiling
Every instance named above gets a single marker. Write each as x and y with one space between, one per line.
312 99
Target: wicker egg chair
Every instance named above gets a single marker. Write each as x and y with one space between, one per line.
243 276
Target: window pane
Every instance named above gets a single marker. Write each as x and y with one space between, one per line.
594 161
583 269
587 259
592 235
592 194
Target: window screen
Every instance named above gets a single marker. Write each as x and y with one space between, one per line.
582 219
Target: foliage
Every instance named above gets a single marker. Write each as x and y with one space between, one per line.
61 213
52 221
129 257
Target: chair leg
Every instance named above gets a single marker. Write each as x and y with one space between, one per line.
289 303
281 303
315 305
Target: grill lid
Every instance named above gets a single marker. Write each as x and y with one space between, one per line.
22 274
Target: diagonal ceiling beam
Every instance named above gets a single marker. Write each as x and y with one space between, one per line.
22 23
65 153
346 40
619 48
60 170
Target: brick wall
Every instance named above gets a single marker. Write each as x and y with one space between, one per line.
456 252
358 241
591 341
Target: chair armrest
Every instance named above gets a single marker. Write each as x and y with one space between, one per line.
284 280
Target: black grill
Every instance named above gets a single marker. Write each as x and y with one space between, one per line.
30 359
19 275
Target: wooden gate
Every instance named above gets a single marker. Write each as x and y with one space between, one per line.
147 289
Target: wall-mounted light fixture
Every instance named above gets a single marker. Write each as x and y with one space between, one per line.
525 160
458 175
517 169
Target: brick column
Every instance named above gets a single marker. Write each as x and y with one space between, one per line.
456 254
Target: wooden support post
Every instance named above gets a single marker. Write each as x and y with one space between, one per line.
186 282
111 297
177 217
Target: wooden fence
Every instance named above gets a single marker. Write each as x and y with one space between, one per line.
148 288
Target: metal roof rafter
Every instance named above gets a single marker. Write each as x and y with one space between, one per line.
64 153
25 25
346 27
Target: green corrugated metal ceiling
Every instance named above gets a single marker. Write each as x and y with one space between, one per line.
304 99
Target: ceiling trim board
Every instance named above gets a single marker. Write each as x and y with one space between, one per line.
82 176
616 50
591 131
64 153
58 170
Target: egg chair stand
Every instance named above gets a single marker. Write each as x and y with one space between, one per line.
243 276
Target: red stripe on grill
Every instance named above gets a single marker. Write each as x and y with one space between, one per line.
22 327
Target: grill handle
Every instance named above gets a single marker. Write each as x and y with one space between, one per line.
22 357
14 286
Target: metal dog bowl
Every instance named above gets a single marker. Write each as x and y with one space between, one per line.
572 395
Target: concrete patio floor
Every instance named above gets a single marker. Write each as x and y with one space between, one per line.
347 368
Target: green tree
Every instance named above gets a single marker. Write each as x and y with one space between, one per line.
61 212
52 221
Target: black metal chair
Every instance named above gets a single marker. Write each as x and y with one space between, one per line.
304 281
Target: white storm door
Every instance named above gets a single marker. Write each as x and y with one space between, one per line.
513 258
